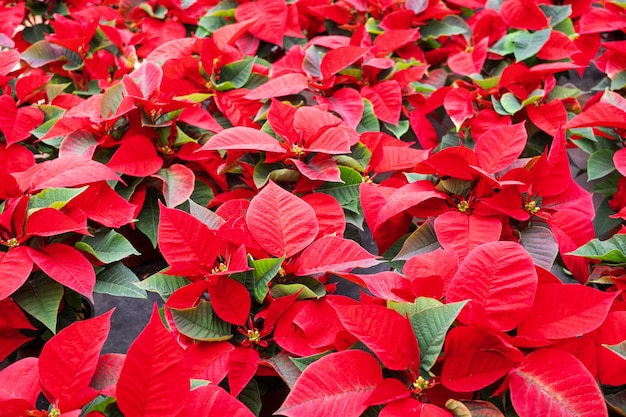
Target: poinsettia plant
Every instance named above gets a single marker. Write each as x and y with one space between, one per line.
365 208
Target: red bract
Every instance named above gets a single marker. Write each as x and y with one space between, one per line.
153 380
553 381
342 382
349 207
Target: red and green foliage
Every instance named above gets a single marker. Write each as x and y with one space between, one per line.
390 208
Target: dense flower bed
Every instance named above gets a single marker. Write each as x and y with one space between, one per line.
279 154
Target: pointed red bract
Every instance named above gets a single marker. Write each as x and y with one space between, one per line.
475 358
599 114
242 365
553 382
497 148
15 268
348 104
108 373
549 116
330 216
414 408
386 98
523 14
68 171
336 254
137 157
49 222
500 280
385 332
335 385
458 104
102 204
20 380
619 159
17 123
387 285
178 184
243 138
462 233
281 86
320 167
212 400
67 266
187 244
280 222
337 59
153 380
230 299
68 361
269 16
562 311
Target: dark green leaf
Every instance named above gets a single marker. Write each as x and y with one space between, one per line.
54 197
527 44
162 284
148 219
40 297
107 247
264 270
369 122
556 14
118 280
305 361
307 287
448 26
610 250
201 323
235 75
42 53
600 164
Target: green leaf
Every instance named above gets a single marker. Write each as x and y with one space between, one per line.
430 325
111 100
275 172
561 92
235 75
201 323
510 103
36 33
448 26
504 46
250 396
263 272
422 240
163 284
369 122
556 14
619 348
602 223
347 194
40 297
107 247
148 218
307 287
527 44
533 97
610 250
118 280
619 81
42 53
209 24
399 130
305 361
202 193
600 164
54 197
